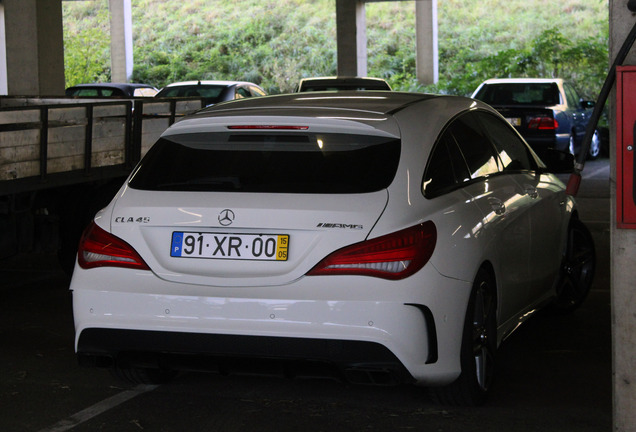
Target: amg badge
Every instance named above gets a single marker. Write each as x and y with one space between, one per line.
339 225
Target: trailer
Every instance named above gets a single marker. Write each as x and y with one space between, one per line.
61 160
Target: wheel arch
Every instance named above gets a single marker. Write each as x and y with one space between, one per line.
488 267
473 385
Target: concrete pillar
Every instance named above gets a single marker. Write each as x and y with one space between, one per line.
121 44
426 36
351 34
623 256
34 44
3 55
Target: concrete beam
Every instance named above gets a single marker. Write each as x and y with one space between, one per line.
121 43
623 256
34 44
351 34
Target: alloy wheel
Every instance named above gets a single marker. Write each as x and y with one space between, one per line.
483 317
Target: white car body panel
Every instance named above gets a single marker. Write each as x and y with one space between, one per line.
294 215
311 308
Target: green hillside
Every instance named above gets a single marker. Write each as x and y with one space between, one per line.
276 42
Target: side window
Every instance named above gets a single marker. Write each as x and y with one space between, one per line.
474 145
144 92
256 91
110 92
446 168
242 92
513 152
574 100
87 92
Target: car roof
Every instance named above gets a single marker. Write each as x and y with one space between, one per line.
208 82
344 111
379 102
522 80
122 86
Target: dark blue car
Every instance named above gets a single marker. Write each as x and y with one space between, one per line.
547 112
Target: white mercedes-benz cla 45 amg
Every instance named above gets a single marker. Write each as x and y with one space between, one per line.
378 236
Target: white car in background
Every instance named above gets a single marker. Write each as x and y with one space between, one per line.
382 237
340 83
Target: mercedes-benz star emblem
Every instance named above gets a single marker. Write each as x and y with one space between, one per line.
226 217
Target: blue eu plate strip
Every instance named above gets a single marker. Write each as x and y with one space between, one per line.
177 241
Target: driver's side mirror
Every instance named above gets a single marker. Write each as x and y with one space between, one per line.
586 104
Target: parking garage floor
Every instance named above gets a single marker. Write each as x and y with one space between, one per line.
554 372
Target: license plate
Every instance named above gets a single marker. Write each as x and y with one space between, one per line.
268 247
515 121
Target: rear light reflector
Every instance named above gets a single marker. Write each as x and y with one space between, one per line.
543 123
98 248
393 256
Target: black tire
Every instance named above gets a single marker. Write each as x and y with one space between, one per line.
135 375
577 269
479 344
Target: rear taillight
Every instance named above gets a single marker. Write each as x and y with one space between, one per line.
393 256
97 248
543 123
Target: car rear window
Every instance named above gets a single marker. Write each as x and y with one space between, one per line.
95 92
308 87
197 90
269 162
543 94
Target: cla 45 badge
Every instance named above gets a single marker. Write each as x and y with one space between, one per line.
132 219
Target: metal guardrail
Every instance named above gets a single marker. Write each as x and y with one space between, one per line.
74 129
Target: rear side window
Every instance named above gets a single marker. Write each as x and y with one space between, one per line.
112 92
86 92
255 91
475 146
242 92
574 100
446 168
513 152
269 162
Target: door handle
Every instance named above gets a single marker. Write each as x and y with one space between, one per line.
531 191
497 205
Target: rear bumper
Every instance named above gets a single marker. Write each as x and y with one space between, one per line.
541 142
352 361
404 331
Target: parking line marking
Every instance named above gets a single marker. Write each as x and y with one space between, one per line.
99 408
598 171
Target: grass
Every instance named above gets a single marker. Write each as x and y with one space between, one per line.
276 42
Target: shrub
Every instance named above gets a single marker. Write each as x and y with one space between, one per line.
277 42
